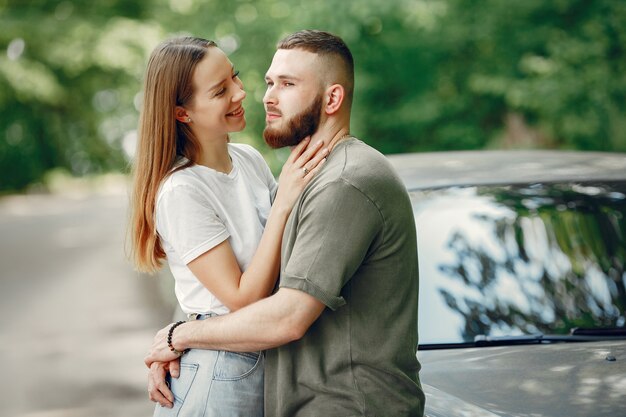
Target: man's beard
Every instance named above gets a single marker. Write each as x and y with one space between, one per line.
298 127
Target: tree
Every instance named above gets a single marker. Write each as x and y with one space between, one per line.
430 74
67 85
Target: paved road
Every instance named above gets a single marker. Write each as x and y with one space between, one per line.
76 320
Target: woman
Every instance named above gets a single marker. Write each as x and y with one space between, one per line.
206 206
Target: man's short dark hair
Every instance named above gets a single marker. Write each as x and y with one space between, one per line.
324 44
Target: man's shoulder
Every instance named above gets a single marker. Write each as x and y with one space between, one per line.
356 172
358 147
366 167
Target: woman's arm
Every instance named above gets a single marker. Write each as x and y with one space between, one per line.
218 270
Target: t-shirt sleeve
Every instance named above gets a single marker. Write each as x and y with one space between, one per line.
336 228
188 223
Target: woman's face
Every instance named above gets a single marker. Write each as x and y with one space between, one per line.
216 106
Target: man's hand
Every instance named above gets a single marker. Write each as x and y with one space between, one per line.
160 352
158 389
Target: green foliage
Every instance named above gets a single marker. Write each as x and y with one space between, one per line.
431 74
68 79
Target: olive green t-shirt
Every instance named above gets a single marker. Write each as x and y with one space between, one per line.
351 243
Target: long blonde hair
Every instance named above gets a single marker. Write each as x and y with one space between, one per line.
162 140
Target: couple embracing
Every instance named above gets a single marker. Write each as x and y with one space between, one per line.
301 294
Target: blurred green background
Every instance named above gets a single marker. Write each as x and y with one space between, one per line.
430 74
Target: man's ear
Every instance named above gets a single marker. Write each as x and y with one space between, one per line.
334 98
181 115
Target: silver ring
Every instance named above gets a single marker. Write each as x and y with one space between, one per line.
306 171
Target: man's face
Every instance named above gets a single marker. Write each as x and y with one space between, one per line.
293 100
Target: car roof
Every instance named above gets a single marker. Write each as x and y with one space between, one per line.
444 169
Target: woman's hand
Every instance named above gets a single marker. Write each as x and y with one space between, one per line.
161 360
301 166
158 388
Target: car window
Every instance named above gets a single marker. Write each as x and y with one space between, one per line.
520 259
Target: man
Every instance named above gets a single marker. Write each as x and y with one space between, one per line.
342 327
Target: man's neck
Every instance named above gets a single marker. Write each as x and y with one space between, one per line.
331 137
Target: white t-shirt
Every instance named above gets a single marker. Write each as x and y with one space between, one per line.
198 208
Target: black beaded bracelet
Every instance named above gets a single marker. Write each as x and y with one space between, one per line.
169 337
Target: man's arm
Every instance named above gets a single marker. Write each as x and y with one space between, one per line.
265 324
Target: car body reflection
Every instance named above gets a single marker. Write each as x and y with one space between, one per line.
523 259
522 281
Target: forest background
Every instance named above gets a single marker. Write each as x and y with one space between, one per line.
431 75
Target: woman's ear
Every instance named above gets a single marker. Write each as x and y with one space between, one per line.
181 115
334 98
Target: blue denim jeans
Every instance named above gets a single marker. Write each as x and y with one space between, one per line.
217 383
